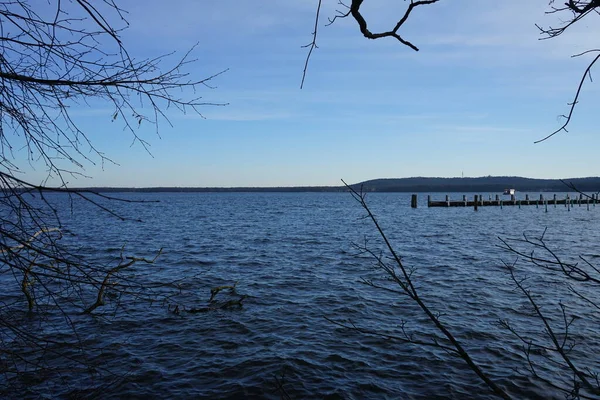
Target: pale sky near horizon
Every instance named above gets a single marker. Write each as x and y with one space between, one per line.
471 102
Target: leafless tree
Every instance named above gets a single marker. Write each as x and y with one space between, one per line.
55 56
402 283
571 12
558 341
354 10
558 350
575 11
557 345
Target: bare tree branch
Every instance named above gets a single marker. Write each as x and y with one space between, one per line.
578 10
404 280
312 45
362 23
573 104
558 345
354 10
57 56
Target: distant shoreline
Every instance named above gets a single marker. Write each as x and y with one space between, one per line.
417 184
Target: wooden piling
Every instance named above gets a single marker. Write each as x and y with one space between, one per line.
475 203
413 201
479 201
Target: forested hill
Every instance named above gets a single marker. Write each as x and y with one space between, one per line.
484 184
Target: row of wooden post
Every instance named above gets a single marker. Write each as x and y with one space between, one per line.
478 201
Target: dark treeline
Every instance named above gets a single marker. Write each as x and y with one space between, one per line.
216 189
417 184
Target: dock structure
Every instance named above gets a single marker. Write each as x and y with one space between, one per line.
479 201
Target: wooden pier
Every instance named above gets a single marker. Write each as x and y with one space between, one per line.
498 201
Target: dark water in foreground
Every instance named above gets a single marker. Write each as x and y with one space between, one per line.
292 255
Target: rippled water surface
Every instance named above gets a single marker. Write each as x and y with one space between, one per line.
292 255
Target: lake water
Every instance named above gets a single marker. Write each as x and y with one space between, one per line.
292 255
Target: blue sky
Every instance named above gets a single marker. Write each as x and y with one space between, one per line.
482 89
